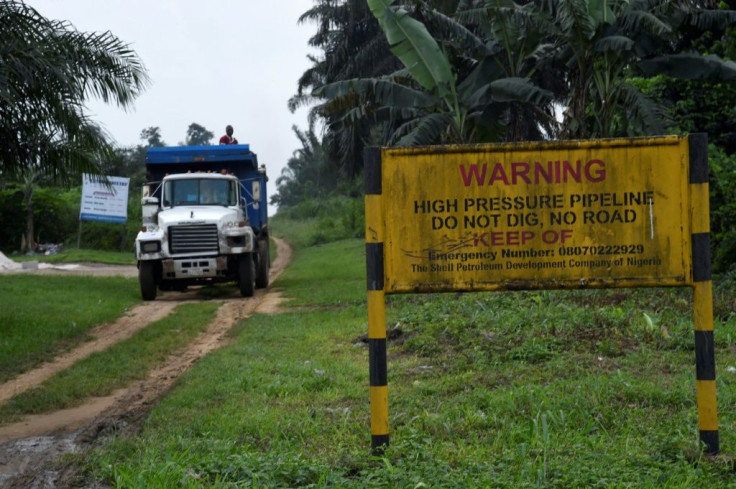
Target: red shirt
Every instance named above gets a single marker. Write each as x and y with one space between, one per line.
228 140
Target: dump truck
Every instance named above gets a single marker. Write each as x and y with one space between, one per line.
205 219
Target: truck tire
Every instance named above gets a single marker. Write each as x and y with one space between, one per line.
147 279
264 264
246 275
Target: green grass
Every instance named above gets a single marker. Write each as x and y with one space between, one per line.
103 372
82 255
297 232
313 282
321 220
42 315
526 389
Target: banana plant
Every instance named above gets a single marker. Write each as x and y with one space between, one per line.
426 98
600 46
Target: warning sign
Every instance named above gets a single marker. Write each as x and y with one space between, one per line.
540 215
601 213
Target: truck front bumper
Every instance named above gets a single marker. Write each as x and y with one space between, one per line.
201 267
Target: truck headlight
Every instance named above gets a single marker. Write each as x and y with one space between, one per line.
150 246
235 224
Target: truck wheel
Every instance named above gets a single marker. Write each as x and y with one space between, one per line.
147 278
246 275
264 264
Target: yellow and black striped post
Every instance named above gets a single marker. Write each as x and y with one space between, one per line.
705 363
374 235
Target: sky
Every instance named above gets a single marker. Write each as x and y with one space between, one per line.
215 63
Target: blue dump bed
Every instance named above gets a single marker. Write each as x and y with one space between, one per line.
237 159
224 153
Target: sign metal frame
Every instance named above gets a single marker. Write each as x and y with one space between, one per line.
669 175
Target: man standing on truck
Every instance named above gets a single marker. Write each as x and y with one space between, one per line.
228 137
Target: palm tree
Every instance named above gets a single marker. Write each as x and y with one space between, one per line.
352 45
47 71
428 97
307 173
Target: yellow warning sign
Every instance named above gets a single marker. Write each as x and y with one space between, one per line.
537 215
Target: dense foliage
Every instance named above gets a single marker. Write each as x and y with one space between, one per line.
48 70
56 209
494 70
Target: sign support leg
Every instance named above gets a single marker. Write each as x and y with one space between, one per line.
378 371
374 232
705 366
705 361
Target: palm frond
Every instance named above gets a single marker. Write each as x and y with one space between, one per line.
574 19
427 130
514 89
649 116
48 70
690 66
634 20
381 91
457 32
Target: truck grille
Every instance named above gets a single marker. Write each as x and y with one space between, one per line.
198 238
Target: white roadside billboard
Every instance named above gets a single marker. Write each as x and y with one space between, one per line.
104 203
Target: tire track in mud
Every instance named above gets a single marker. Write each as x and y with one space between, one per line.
103 336
65 431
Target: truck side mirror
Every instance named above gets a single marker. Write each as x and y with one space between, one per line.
256 194
149 207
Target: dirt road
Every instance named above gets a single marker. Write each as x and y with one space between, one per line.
28 447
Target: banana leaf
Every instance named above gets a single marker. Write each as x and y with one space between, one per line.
377 90
690 67
414 46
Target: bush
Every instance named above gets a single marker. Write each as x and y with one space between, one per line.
56 220
336 218
723 208
56 214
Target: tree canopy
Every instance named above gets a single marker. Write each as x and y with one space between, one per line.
402 72
48 70
500 71
408 72
198 135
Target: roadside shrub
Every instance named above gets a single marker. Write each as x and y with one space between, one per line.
723 208
332 219
56 214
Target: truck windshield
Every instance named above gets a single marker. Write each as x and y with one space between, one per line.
200 191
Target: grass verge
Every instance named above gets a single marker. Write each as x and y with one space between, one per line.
43 315
526 389
103 372
82 255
